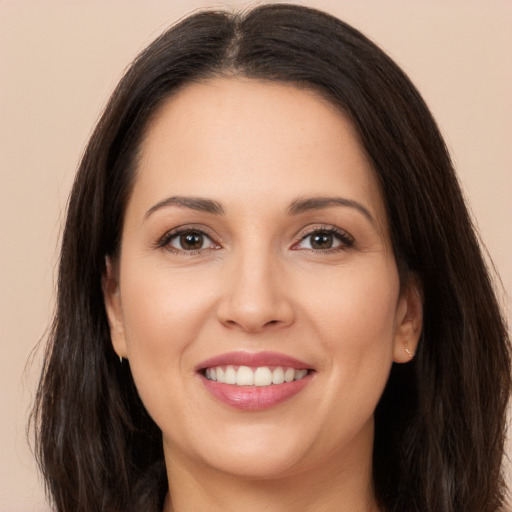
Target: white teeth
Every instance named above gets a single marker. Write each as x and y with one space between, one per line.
229 375
263 376
260 376
244 376
278 376
289 375
300 374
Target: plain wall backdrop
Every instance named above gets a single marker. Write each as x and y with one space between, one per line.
59 61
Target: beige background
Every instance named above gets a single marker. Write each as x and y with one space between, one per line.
59 60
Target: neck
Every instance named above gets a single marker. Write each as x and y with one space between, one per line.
340 487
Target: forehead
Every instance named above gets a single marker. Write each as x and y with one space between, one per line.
243 139
252 113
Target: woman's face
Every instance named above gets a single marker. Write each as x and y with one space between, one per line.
255 250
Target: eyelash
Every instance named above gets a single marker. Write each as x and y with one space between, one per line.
165 241
346 241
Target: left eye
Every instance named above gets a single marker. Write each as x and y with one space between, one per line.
190 241
323 240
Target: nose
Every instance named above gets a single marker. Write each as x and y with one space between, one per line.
255 296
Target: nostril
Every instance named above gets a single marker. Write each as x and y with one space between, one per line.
253 313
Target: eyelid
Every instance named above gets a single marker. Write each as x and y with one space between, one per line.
342 235
346 239
164 241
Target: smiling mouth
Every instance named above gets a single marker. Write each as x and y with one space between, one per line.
260 376
254 381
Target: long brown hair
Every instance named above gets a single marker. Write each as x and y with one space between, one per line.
440 423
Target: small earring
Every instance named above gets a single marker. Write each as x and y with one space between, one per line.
121 359
410 353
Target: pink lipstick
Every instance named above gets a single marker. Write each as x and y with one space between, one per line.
254 381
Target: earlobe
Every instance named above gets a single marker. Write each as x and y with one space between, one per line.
112 300
409 322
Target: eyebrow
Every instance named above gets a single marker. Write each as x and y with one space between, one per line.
317 203
296 207
194 203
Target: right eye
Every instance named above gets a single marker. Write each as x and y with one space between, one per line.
188 241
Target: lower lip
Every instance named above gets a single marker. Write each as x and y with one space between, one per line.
255 398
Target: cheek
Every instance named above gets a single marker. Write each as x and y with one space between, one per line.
356 326
160 308
357 309
163 315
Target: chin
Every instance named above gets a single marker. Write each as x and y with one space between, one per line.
264 452
260 465
253 453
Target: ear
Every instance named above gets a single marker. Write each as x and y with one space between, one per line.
112 299
409 321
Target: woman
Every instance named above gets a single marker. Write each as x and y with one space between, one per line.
270 291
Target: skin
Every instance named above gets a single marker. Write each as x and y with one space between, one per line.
258 284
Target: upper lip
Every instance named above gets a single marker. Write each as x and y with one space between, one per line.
253 359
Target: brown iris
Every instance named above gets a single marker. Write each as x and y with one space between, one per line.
321 241
191 241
